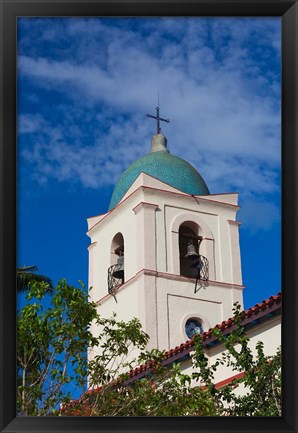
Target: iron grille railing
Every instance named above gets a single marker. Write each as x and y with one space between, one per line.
113 282
203 273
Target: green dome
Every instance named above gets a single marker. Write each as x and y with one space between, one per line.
165 167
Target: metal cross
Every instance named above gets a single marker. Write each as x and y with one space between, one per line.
158 119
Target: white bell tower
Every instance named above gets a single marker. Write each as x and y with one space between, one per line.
156 231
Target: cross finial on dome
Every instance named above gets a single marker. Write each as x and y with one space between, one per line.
158 118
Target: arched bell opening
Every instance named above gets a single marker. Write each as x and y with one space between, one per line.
189 241
116 270
117 248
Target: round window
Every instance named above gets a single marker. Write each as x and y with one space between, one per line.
193 326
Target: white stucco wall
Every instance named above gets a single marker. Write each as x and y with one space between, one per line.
149 217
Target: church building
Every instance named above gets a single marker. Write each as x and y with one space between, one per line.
167 252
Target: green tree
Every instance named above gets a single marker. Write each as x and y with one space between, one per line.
53 340
26 275
261 375
165 392
51 346
170 392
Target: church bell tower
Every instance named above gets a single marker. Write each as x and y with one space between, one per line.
167 251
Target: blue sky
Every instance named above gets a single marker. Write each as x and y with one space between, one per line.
84 87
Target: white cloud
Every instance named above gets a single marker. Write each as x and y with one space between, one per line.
29 124
222 110
223 104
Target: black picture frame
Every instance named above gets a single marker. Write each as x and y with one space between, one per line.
288 11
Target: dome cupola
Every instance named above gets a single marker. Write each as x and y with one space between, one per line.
162 165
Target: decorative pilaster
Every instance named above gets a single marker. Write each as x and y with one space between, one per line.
146 235
235 251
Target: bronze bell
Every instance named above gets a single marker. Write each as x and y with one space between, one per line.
191 251
119 269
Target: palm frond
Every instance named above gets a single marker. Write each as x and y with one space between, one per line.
27 274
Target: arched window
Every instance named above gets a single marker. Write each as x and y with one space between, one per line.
189 240
116 270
